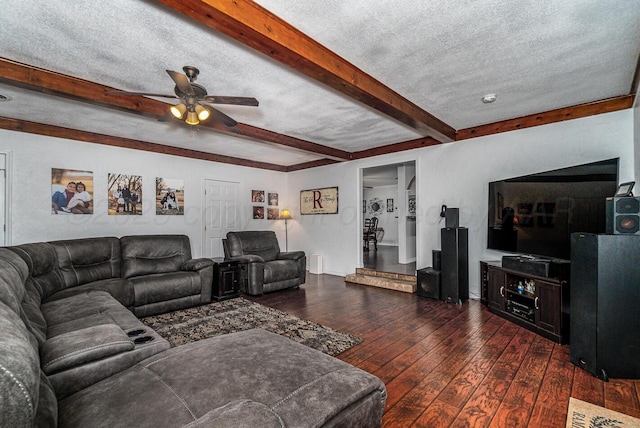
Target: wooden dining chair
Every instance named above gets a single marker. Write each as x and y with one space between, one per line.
369 234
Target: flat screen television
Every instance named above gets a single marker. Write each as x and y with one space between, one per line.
536 214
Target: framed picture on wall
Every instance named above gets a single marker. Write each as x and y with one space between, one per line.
124 194
412 205
169 196
389 205
258 212
257 196
272 198
71 191
319 201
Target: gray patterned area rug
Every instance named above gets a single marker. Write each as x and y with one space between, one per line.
229 316
587 415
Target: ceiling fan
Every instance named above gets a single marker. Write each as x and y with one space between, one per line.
194 105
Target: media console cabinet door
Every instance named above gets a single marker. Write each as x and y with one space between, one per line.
495 289
549 307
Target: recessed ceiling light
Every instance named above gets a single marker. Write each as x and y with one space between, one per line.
489 98
5 98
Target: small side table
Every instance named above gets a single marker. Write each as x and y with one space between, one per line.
226 279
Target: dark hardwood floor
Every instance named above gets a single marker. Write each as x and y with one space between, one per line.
450 365
385 259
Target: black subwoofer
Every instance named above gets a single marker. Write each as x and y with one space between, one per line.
623 216
605 304
428 283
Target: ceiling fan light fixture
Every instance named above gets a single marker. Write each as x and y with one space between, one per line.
203 113
192 118
178 111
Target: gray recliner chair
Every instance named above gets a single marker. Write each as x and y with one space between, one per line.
263 267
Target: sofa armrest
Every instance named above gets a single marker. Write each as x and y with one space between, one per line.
249 258
196 264
79 347
301 260
291 255
251 273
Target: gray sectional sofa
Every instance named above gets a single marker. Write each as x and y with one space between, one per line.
74 353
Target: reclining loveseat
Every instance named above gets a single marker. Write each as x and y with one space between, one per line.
263 267
74 355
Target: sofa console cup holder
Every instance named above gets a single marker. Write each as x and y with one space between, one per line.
134 333
143 339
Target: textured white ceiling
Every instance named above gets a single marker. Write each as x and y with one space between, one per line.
441 55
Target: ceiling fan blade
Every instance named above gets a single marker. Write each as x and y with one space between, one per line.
221 117
182 82
147 94
241 101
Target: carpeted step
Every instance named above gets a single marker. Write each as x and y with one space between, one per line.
391 281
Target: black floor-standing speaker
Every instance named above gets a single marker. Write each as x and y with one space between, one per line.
455 264
604 332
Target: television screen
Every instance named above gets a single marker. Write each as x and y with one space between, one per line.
536 214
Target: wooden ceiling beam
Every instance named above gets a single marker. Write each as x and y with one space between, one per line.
397 147
48 82
312 164
253 25
551 116
127 143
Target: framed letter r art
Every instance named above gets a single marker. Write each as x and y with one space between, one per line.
319 201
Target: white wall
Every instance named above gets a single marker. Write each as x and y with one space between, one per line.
454 174
457 175
636 133
33 156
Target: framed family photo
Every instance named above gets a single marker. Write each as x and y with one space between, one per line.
71 191
169 196
124 193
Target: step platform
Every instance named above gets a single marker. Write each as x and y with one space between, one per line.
388 280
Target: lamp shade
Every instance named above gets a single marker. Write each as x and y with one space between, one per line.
192 118
285 215
178 110
203 113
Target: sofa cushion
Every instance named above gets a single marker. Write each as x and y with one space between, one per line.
119 288
41 260
148 254
47 411
240 413
13 274
81 261
31 307
78 308
75 348
19 372
164 287
263 243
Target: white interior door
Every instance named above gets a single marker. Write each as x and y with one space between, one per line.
220 214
